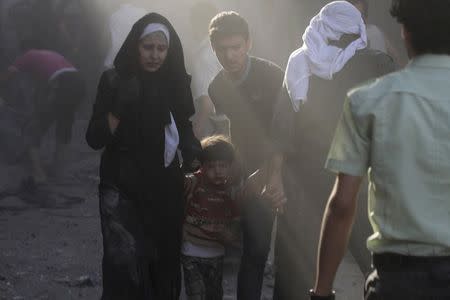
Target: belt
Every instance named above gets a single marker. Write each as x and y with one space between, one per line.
393 260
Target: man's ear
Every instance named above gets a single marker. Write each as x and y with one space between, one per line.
407 38
212 46
249 44
403 32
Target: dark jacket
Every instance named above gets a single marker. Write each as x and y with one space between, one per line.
126 156
143 102
250 106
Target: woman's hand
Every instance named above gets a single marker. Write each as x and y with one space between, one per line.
113 122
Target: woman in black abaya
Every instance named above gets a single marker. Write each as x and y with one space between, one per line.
140 118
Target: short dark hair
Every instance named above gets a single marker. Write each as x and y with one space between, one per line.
217 148
228 23
428 23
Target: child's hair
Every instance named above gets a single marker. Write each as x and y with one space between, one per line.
217 147
228 23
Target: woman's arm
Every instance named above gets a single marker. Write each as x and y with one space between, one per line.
189 145
102 124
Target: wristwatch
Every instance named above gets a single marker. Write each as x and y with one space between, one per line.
313 296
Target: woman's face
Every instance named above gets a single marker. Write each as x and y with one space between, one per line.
153 50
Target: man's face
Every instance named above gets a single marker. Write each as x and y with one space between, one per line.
217 172
232 51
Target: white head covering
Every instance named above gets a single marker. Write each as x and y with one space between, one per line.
154 27
316 56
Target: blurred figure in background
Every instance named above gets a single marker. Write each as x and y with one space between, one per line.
205 67
274 26
377 40
120 23
59 93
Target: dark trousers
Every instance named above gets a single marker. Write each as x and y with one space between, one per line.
203 277
135 265
257 223
404 277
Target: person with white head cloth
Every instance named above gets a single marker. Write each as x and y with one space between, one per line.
333 59
317 56
141 119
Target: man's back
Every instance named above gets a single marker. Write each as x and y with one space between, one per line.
320 114
406 116
43 64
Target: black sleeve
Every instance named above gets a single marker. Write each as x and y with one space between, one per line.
283 117
214 99
189 145
99 134
282 131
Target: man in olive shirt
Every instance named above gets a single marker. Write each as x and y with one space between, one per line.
397 128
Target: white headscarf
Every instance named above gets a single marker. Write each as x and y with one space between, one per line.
154 27
316 56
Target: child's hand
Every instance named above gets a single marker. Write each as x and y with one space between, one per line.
190 181
227 237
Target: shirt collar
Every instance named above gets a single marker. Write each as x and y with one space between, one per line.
244 76
431 61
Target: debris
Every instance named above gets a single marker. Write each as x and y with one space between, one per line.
21 274
64 280
82 281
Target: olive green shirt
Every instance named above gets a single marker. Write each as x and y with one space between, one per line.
398 129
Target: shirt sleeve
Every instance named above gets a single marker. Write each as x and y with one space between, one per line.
350 150
98 134
282 130
201 78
